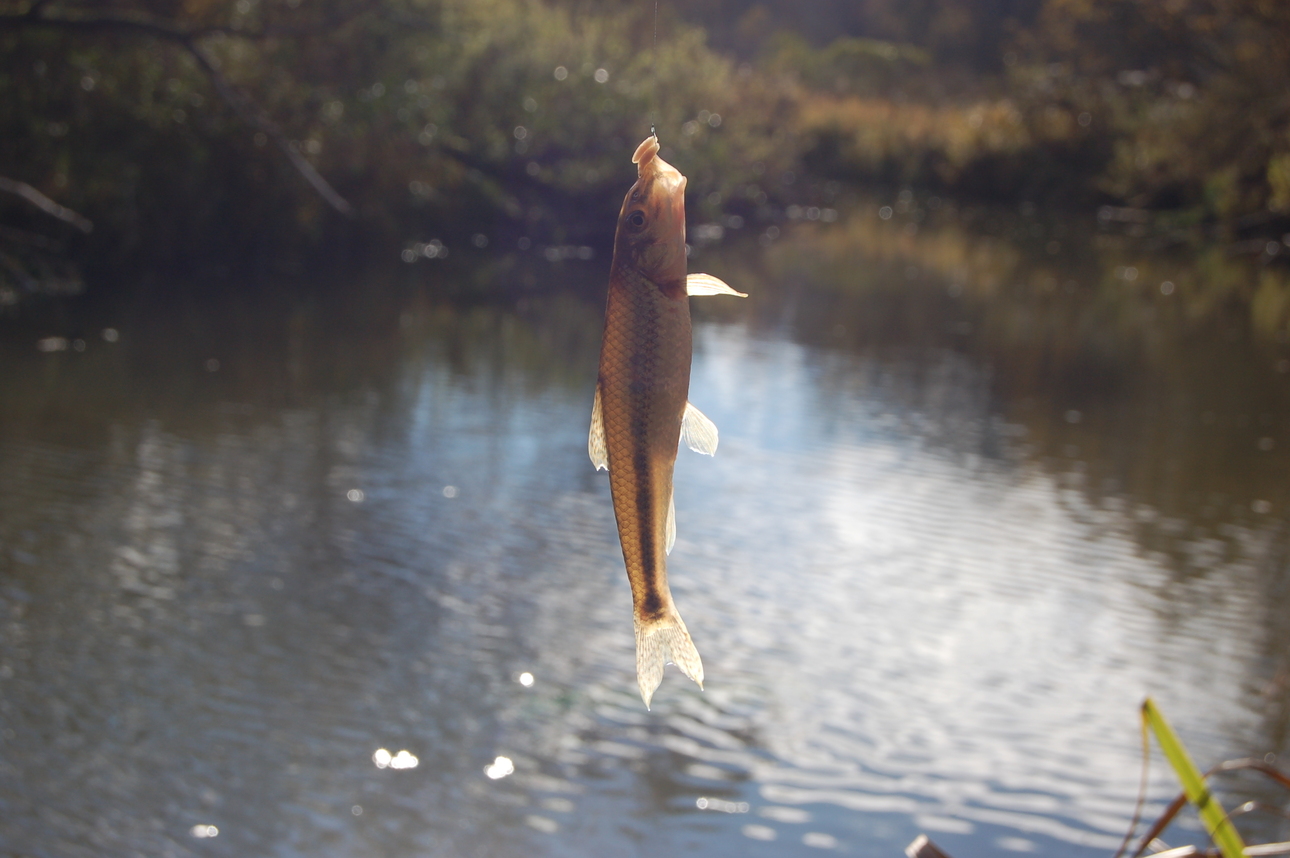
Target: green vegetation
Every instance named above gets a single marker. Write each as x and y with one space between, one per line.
1220 828
427 118
264 133
1174 107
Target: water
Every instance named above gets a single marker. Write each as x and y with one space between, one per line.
961 521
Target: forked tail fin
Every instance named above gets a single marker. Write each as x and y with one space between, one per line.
659 642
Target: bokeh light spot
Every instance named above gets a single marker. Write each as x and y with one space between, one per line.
500 768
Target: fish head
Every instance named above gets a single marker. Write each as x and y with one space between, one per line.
651 225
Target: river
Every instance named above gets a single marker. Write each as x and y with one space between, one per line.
328 572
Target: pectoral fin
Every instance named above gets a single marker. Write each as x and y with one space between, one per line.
697 431
706 284
597 449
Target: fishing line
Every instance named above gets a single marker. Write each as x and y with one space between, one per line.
654 76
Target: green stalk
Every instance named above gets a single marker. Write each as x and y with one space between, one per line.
1216 821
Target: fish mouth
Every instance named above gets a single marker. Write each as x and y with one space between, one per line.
645 153
653 170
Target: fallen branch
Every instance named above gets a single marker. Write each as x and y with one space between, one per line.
45 204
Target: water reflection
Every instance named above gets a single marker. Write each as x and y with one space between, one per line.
956 530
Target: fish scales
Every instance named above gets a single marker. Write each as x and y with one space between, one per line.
645 376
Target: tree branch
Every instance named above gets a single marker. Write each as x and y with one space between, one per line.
129 23
253 115
45 204
149 25
188 39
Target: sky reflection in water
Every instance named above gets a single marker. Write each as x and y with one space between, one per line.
373 602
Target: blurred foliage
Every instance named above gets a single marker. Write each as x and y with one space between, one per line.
514 119
1193 92
1055 125
865 66
1175 106
433 119
967 35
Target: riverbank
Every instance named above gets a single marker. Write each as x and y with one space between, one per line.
269 138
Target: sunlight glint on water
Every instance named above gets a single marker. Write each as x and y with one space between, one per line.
911 618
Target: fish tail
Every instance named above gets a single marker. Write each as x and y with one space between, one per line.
661 641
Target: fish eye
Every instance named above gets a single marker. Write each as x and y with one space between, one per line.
636 219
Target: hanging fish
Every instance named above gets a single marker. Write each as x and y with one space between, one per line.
641 410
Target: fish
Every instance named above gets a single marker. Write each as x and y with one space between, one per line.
641 410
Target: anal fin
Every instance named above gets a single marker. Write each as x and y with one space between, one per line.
597 449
